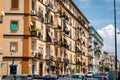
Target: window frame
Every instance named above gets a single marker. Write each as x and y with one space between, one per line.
15 8
11 25
16 46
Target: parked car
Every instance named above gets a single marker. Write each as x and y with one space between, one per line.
102 77
92 79
13 77
61 76
37 77
68 79
89 74
79 76
50 77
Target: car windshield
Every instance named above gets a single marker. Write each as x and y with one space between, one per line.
77 76
90 73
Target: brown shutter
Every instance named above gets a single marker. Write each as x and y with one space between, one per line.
14 3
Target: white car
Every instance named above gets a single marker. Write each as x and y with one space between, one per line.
90 74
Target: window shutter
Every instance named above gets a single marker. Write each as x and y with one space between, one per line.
14 3
14 26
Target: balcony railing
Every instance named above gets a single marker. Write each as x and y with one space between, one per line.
37 13
35 34
48 39
77 50
64 45
64 17
49 57
66 60
78 62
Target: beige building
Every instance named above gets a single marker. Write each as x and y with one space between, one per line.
44 37
95 51
112 61
1 33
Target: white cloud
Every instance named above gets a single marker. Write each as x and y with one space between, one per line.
107 34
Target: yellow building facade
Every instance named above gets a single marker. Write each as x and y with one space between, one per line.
44 37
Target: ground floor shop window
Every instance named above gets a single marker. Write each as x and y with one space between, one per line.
13 69
33 68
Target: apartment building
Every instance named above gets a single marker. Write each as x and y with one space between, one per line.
95 50
44 37
112 61
1 33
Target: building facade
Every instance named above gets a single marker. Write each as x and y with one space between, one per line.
95 50
44 37
112 61
1 33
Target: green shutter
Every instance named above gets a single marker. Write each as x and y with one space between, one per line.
47 15
14 26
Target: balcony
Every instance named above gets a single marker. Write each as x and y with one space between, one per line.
62 59
83 64
48 39
58 28
35 34
64 17
58 59
66 60
77 50
49 4
37 13
97 50
39 56
48 20
78 62
48 57
64 45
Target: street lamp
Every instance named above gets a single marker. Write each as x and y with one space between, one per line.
115 38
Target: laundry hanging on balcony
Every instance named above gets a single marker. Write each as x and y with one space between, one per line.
53 39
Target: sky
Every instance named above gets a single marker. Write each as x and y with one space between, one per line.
100 13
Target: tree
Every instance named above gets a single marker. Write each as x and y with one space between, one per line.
106 68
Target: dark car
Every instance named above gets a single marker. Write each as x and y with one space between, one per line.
50 77
102 77
92 79
13 77
37 77
68 79
76 76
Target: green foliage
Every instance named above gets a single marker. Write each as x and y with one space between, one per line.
106 68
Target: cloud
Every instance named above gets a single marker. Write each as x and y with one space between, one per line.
107 34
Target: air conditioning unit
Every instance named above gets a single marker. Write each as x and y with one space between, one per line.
33 12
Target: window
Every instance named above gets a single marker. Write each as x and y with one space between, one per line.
14 25
14 4
33 68
13 46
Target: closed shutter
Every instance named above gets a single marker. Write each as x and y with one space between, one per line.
14 3
14 26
